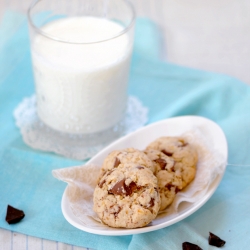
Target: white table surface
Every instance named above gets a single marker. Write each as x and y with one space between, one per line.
210 35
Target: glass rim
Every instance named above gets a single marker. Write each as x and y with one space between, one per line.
41 32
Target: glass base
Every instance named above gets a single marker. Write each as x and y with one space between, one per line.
79 147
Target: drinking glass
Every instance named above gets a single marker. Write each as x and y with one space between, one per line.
81 52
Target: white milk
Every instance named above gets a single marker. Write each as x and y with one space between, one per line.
81 88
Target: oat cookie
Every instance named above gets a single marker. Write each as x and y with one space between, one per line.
117 157
183 153
127 196
169 180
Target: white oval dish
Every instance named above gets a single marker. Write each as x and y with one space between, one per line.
140 139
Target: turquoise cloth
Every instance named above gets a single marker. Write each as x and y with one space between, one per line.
167 90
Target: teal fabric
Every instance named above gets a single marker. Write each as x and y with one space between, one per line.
167 90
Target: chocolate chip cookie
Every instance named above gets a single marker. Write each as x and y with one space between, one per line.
182 152
169 180
127 196
117 157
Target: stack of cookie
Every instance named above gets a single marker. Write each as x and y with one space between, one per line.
135 185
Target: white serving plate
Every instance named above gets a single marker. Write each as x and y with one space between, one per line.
140 139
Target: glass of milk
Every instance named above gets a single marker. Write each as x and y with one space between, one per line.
81 51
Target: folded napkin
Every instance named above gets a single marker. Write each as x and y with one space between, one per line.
167 90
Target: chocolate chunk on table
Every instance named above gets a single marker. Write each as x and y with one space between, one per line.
14 215
190 246
214 240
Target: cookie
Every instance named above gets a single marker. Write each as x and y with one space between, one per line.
169 180
127 196
183 153
117 157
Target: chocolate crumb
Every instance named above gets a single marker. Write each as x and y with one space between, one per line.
140 167
162 163
14 215
109 172
190 246
117 212
152 202
166 152
214 240
117 162
100 184
169 186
